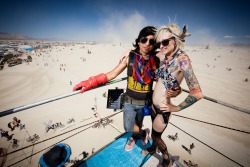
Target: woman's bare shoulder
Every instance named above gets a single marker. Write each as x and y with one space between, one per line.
184 61
183 56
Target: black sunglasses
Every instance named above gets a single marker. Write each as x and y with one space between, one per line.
144 40
164 42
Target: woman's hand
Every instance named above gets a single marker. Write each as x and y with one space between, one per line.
173 92
170 108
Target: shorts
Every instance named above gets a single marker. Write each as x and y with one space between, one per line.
132 113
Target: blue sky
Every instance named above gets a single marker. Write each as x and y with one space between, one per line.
209 21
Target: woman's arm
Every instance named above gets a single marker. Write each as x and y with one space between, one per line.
192 83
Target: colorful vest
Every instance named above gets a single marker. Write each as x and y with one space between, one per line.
140 76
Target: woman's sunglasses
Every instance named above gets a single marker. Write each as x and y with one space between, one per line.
144 40
164 42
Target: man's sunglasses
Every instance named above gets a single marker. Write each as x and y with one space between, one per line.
164 42
144 40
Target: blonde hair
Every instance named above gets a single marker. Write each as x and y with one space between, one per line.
174 30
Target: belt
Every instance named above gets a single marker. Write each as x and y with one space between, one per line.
135 101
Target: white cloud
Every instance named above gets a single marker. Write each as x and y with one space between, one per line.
121 28
203 36
116 27
229 37
242 37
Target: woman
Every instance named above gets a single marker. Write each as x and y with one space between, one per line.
174 66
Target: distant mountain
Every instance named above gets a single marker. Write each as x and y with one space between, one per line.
241 44
10 36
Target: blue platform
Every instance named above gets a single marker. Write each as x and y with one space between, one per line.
114 155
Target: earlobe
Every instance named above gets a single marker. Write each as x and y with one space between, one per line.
175 43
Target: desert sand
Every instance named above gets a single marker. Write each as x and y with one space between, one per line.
222 72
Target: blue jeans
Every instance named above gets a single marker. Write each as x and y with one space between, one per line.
132 114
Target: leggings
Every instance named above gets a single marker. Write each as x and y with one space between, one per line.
156 136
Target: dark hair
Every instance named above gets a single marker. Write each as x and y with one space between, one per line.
146 31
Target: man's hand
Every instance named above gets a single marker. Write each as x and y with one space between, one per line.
92 82
84 86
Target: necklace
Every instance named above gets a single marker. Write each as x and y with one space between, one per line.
141 56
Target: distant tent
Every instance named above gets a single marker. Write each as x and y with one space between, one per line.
28 49
57 156
25 47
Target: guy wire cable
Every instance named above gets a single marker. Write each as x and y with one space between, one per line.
17 109
213 124
223 103
207 145
46 148
61 134
21 108
58 141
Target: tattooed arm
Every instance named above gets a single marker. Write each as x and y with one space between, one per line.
192 83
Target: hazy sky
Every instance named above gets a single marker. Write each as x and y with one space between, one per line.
212 21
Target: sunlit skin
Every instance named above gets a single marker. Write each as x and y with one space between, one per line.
181 68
